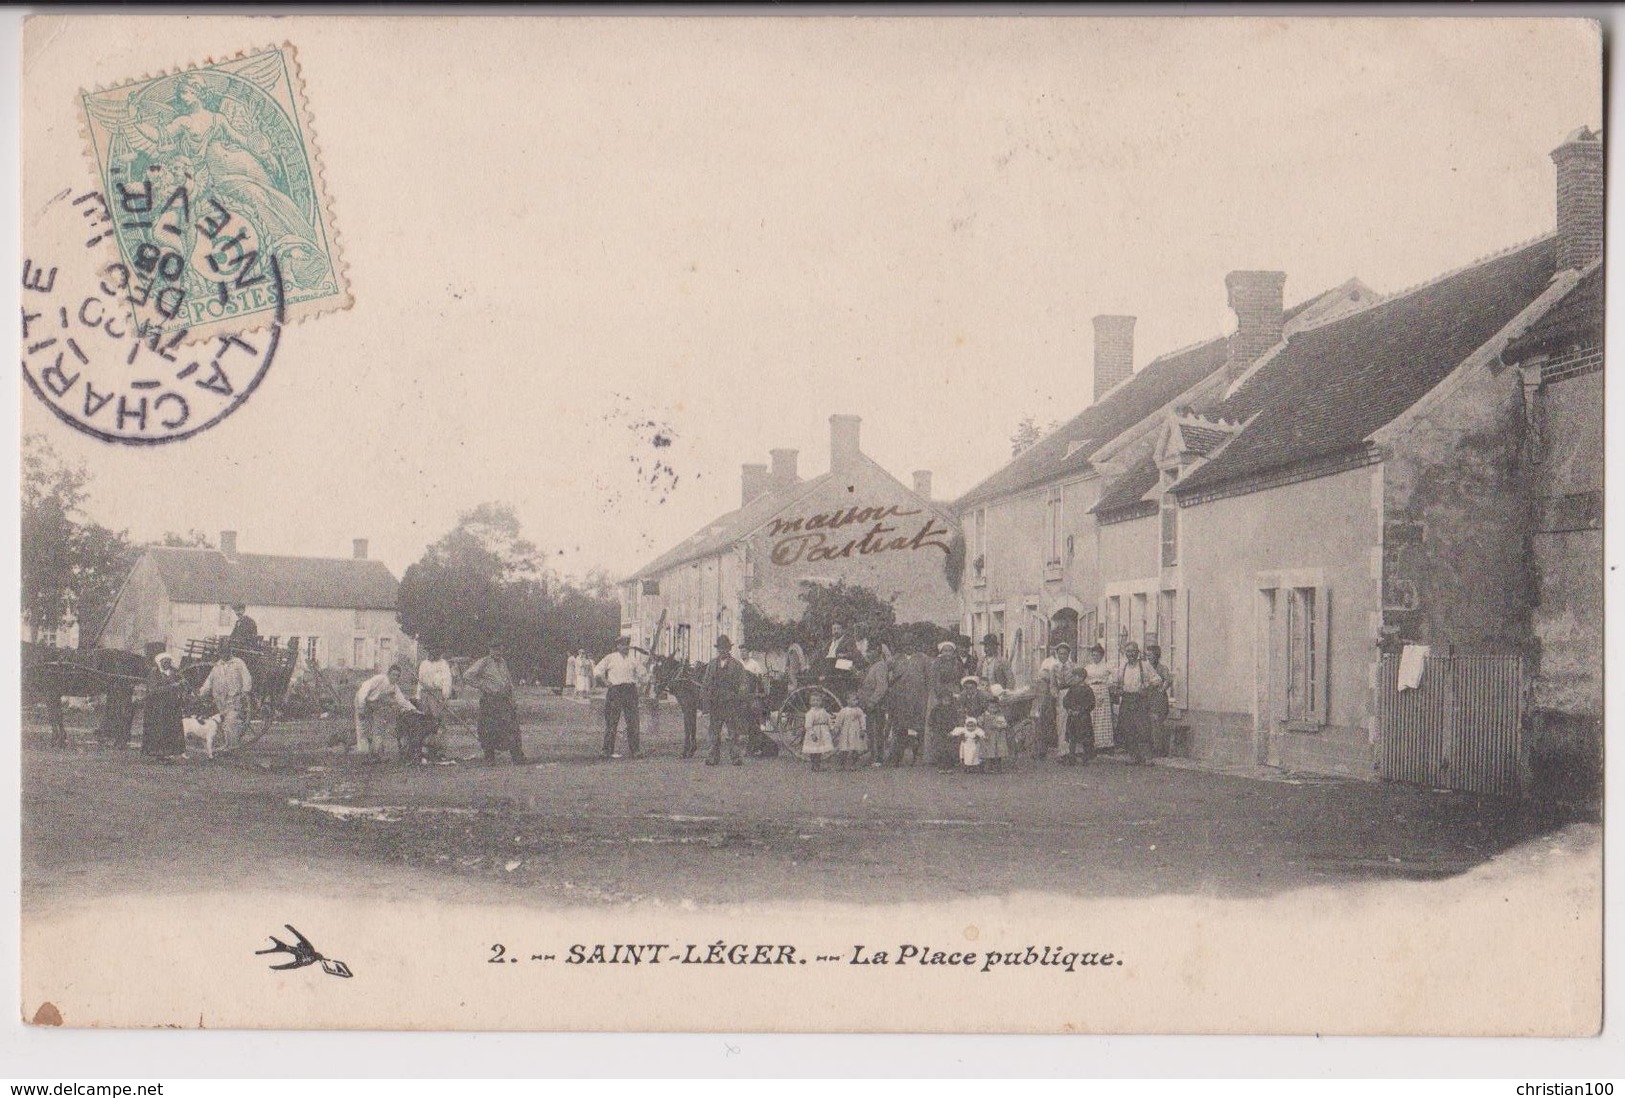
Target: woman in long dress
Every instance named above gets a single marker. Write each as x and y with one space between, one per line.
162 736
583 676
1098 674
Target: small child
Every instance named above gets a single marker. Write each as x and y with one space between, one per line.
818 740
997 726
970 744
851 733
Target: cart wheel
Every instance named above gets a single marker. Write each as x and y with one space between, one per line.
790 721
1023 736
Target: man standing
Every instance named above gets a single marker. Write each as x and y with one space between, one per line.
623 672
227 687
378 703
499 716
726 688
1055 675
841 647
246 633
995 668
907 698
872 700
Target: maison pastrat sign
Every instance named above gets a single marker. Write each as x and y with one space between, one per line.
834 535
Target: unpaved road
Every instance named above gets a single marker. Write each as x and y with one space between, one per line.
572 829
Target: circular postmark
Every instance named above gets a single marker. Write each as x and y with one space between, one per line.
102 368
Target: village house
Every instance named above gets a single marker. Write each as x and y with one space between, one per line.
1033 578
855 523
1362 488
1560 362
340 611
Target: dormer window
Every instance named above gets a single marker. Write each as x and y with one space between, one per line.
1170 519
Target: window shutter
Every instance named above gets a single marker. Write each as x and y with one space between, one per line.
1323 655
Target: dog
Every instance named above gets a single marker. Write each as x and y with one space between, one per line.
911 747
415 735
202 730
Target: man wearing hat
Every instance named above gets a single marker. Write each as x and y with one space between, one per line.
726 690
245 634
498 727
623 673
943 717
995 668
1055 674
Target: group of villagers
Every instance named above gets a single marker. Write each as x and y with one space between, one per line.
957 708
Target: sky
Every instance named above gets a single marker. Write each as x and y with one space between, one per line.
567 237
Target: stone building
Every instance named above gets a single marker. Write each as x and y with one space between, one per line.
1035 555
855 523
1361 484
341 611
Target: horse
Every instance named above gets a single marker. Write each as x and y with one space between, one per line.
676 677
50 674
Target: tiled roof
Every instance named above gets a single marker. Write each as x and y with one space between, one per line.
1575 321
1151 387
1329 388
1201 441
1127 490
722 532
208 575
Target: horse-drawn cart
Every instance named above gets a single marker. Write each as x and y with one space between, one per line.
270 668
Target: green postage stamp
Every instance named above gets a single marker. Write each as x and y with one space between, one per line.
216 199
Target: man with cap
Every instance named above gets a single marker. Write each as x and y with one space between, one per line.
623 673
726 690
943 717
245 633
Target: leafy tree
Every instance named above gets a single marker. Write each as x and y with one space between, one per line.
192 539
864 613
1028 432
71 567
484 581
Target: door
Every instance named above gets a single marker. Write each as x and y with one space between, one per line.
1268 679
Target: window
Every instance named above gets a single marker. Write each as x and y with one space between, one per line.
47 637
386 651
311 648
226 619
188 614
680 649
1168 638
1306 637
358 622
1054 527
360 651
1136 625
1114 626
272 642
1170 522
979 542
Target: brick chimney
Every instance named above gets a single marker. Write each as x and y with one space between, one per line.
358 547
922 483
228 542
1256 297
1114 352
843 441
1579 199
752 482
784 468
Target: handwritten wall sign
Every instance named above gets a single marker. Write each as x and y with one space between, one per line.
811 537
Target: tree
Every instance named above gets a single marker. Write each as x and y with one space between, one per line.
192 539
71 567
484 581
1028 432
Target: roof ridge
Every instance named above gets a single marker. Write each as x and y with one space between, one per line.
1418 287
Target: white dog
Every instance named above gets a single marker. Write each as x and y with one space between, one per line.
203 731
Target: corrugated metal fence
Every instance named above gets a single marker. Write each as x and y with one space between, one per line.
1461 728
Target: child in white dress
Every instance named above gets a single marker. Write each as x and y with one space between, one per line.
819 739
851 734
971 737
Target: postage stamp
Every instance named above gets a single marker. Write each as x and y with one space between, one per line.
208 174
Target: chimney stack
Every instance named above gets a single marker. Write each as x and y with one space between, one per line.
1257 298
1114 352
1579 199
843 441
922 483
359 547
784 468
228 542
752 482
